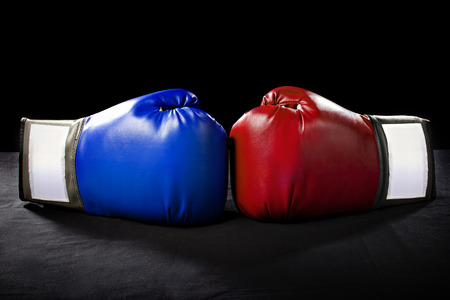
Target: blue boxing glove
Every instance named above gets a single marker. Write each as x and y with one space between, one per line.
157 158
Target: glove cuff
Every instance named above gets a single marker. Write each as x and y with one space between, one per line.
406 160
47 162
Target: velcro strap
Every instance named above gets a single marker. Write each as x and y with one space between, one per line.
406 160
47 162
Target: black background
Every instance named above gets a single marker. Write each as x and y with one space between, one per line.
71 62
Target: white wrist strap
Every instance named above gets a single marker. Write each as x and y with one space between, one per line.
406 160
47 162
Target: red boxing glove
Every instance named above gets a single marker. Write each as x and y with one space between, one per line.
301 155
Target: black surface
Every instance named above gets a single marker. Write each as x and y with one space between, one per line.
48 253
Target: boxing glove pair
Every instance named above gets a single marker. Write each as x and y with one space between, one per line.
160 159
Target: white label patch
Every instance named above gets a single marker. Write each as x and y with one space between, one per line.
408 161
46 162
